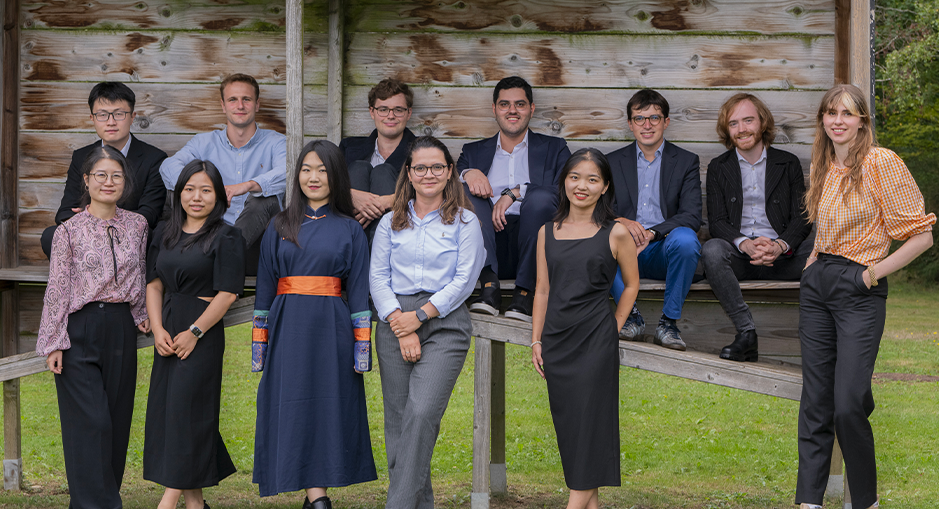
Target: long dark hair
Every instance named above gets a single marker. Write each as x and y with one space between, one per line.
97 154
288 221
603 211
454 199
206 234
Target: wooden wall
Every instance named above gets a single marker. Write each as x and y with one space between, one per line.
585 59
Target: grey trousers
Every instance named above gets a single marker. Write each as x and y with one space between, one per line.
841 322
725 266
415 396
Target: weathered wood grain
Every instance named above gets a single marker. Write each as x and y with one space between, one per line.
755 16
482 411
602 61
336 64
191 15
30 251
594 114
164 56
161 107
9 111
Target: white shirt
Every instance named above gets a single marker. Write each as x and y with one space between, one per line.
376 156
753 220
509 170
126 148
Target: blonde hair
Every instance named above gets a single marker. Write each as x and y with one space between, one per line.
823 150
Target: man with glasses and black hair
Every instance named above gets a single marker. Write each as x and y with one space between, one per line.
658 199
112 113
511 179
252 161
375 160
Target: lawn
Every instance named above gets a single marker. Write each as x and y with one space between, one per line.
684 444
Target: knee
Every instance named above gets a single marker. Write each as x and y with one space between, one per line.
852 405
715 251
683 242
539 204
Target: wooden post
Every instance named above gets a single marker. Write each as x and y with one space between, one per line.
836 480
294 87
334 73
498 483
861 66
482 391
9 252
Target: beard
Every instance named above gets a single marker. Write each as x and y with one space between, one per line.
746 144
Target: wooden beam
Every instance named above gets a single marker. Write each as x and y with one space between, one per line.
294 87
482 408
12 437
842 41
861 65
498 482
9 132
334 75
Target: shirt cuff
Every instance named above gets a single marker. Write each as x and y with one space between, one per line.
738 241
440 302
522 189
785 245
385 308
463 173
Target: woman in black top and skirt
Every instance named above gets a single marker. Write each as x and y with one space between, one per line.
574 331
195 269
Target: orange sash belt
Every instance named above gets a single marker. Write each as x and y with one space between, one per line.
325 286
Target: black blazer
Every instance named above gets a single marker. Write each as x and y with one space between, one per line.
361 148
148 195
546 157
679 187
785 189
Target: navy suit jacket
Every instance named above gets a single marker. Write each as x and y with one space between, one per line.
148 194
679 187
361 148
785 189
546 157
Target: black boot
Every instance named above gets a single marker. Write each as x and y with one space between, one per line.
489 296
522 303
320 503
743 349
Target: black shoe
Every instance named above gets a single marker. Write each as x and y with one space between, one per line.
205 505
743 349
522 302
488 300
320 503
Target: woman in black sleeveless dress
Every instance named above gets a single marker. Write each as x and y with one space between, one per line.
574 331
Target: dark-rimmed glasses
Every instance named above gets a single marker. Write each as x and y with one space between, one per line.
437 169
102 177
102 116
383 111
653 119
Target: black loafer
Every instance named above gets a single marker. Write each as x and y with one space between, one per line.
488 300
745 348
521 306
320 503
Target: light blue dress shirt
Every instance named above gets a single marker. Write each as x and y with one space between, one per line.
649 208
263 159
443 259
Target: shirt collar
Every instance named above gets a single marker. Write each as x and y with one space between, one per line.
641 157
126 148
255 136
522 144
742 159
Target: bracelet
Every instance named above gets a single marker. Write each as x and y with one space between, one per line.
533 343
781 246
870 271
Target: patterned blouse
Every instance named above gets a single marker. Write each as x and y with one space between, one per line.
93 260
889 206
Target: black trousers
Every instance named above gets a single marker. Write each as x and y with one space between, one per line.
841 322
96 402
380 180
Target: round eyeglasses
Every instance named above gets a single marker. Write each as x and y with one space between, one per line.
102 177
421 170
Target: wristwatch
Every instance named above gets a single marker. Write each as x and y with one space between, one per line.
421 315
196 331
656 236
508 192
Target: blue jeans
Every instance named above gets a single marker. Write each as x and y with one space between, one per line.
673 259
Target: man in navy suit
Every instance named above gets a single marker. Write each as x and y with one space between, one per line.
755 215
511 179
658 199
374 161
112 112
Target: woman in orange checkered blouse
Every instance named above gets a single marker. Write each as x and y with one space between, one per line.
860 197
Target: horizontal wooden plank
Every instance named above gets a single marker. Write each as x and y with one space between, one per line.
643 16
589 114
30 252
602 61
50 55
190 15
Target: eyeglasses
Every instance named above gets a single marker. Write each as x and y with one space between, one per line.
102 177
102 116
505 105
653 119
383 111
436 169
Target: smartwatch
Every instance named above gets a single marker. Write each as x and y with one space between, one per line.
196 331
421 315
508 192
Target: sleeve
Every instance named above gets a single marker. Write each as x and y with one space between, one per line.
71 198
53 326
563 155
471 255
153 196
153 252
901 201
463 162
799 227
274 182
689 201
265 291
171 167
138 305
357 291
718 216
228 274
380 270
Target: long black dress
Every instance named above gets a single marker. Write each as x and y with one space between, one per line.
183 448
580 354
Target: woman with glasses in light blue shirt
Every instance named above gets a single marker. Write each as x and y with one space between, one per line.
426 257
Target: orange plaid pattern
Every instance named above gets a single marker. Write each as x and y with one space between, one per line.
890 206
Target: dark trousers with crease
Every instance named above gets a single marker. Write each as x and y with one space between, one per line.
96 402
841 322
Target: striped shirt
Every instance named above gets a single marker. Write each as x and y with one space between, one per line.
888 205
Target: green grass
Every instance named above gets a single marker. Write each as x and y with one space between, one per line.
684 444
